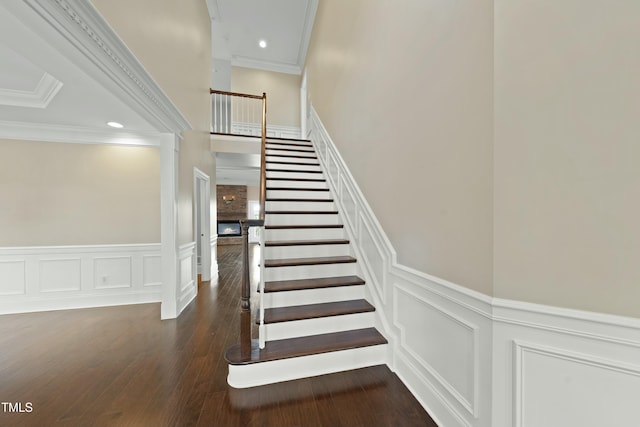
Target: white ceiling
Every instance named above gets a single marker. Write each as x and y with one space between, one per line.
286 25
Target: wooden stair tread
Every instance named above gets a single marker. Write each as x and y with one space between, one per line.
278 139
290 199
300 212
307 346
303 284
293 262
302 226
292 170
295 189
315 311
306 242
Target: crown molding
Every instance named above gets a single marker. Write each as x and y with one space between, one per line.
97 45
309 19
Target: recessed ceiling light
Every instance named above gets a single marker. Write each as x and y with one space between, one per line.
115 125
262 43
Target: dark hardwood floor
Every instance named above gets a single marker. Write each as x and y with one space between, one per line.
122 366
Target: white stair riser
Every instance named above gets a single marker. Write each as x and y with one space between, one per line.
298 184
306 159
324 325
301 219
243 376
293 175
300 206
305 234
307 251
297 194
313 296
310 271
275 149
301 168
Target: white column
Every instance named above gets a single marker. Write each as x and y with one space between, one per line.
169 155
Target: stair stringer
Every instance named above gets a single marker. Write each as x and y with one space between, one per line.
331 163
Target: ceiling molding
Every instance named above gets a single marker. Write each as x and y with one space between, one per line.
83 26
75 135
46 89
309 19
239 61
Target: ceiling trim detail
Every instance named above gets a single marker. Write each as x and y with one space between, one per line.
83 26
309 19
46 89
75 135
240 61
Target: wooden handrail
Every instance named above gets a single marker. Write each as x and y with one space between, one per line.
242 95
245 225
263 159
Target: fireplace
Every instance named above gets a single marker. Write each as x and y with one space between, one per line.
229 228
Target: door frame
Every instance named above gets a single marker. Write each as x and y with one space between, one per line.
202 199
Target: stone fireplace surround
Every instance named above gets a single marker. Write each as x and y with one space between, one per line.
234 210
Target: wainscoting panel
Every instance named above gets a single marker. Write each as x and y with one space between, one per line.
476 361
273 131
64 277
112 273
151 270
453 365
542 375
60 275
558 367
13 276
188 283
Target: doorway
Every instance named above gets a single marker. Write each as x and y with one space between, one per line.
202 223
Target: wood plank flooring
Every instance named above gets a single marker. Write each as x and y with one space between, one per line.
122 366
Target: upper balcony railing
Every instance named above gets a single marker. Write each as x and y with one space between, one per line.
244 115
236 113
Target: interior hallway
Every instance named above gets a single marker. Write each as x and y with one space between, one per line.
122 366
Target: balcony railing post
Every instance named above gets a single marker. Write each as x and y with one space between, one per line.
245 300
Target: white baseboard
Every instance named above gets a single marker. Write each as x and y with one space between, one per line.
65 277
475 361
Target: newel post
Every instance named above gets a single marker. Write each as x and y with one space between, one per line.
245 300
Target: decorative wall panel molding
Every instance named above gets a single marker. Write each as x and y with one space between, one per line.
273 131
476 361
187 273
64 277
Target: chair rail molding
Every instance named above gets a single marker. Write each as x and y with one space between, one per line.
477 361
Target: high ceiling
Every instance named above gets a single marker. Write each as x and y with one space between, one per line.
43 84
285 25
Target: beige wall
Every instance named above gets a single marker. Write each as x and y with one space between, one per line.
172 39
405 90
283 93
56 194
567 170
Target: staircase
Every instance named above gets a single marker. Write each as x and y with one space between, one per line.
316 318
